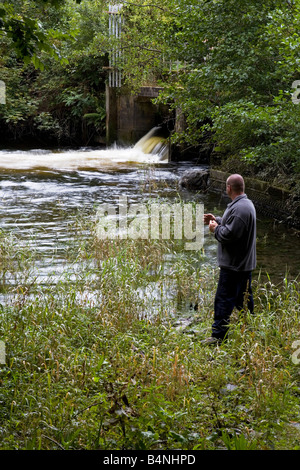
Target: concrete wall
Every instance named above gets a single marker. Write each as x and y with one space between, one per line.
269 200
129 117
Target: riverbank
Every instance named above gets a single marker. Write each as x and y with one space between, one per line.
273 201
108 355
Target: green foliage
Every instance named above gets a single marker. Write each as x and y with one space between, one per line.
228 66
238 442
47 99
26 33
92 365
260 135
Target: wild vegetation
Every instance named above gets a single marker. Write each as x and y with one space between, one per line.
229 68
55 82
107 355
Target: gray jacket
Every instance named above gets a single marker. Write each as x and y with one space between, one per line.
236 234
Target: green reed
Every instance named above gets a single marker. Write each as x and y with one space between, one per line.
107 355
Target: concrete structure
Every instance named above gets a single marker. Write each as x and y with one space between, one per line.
275 202
129 117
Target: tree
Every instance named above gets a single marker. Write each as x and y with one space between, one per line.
228 65
26 34
55 101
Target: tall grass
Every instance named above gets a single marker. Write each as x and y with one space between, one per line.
108 355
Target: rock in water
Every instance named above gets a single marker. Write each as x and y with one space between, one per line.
194 180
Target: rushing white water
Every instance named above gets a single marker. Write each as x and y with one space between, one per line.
151 148
73 159
154 144
42 192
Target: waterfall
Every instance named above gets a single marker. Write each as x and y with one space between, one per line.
153 143
152 148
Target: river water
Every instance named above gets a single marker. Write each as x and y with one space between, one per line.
42 191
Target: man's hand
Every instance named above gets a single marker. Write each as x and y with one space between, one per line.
212 225
207 218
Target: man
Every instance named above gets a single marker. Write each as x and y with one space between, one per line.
236 236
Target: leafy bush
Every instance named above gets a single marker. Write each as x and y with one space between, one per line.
260 135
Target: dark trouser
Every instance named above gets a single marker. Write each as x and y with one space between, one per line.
234 290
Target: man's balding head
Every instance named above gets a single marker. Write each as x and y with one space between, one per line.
235 185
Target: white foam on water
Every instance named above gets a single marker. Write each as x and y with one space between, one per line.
153 143
73 159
